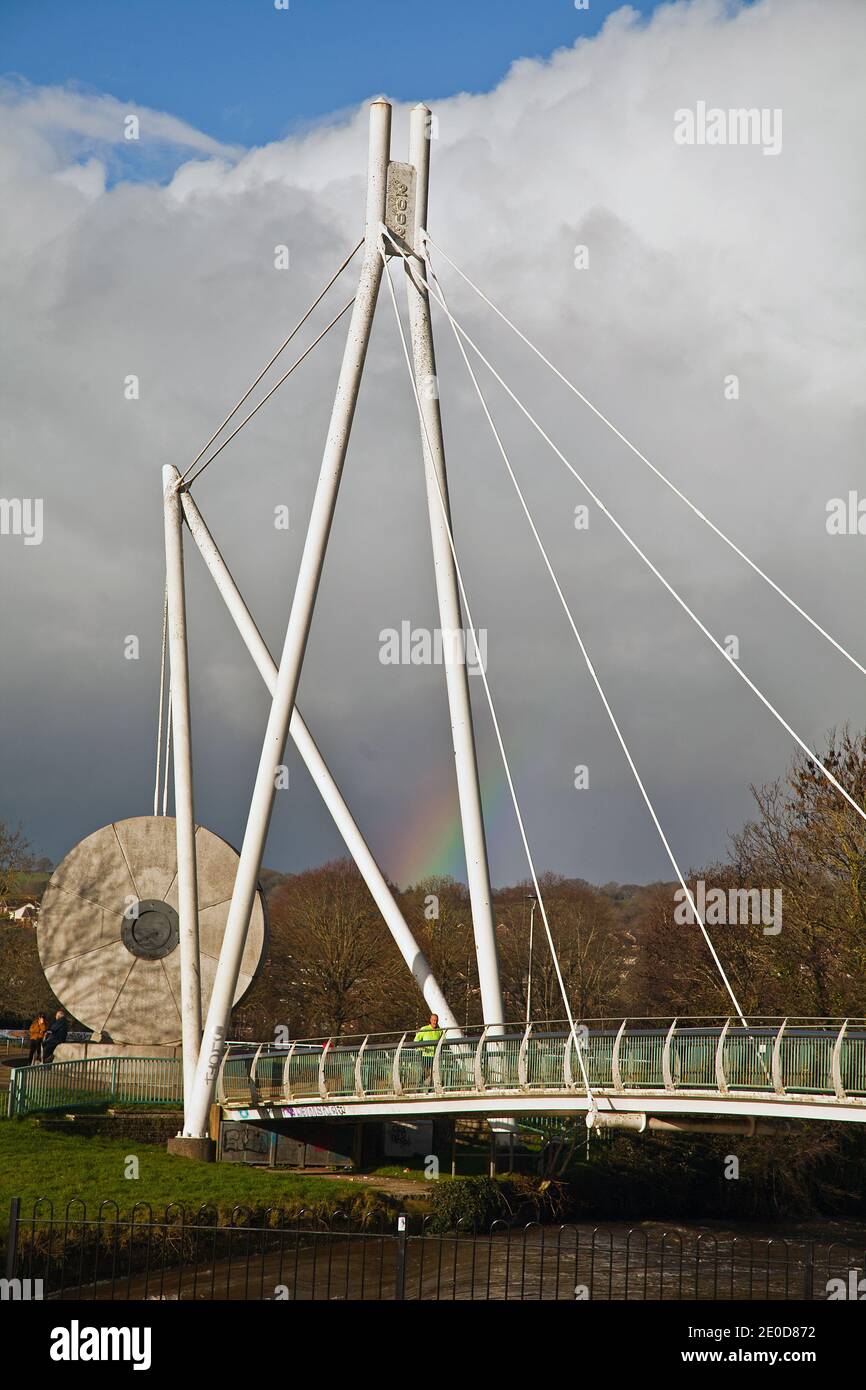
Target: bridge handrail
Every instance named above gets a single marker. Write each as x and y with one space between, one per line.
684 1054
789 1057
608 1024
95 1081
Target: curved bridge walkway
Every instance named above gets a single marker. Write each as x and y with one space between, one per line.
786 1068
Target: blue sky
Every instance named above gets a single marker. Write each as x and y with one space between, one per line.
246 73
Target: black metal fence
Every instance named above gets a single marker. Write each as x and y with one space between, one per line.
106 1256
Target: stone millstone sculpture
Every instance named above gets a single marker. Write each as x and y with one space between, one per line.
108 934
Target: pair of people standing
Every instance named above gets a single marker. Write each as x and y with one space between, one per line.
45 1038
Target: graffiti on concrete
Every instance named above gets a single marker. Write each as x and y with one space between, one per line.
403 1138
311 1112
245 1144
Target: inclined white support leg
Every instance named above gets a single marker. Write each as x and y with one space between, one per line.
447 592
187 882
319 771
300 617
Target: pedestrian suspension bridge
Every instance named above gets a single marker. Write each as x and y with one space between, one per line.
632 1073
785 1069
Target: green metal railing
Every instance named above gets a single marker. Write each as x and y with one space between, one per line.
808 1058
814 1057
94 1082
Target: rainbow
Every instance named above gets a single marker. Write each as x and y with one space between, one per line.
431 845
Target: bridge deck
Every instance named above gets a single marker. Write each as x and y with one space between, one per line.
811 1069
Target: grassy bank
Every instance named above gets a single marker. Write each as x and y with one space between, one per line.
37 1163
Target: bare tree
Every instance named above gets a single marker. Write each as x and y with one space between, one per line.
439 913
811 843
336 958
674 971
15 860
808 846
590 946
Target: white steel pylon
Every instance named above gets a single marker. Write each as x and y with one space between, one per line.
387 206
447 592
181 747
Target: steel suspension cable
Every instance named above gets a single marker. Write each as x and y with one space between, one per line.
161 701
298 326
487 692
587 659
267 397
167 755
643 458
643 556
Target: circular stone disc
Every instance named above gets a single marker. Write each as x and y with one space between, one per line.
108 933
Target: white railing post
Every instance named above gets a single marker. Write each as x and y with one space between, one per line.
255 1093
522 1073
395 1069
437 1065
359 1083
721 1078
615 1071
836 1064
480 1083
667 1074
323 1085
287 1072
778 1079
567 1069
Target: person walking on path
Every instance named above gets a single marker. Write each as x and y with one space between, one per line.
38 1029
55 1036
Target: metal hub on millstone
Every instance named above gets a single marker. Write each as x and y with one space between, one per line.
150 929
109 934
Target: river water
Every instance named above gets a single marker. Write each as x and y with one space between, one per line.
648 1260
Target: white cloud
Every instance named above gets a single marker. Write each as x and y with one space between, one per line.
703 262
59 112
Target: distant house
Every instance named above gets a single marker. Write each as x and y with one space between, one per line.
28 913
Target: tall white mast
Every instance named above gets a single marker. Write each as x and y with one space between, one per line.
447 593
187 878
